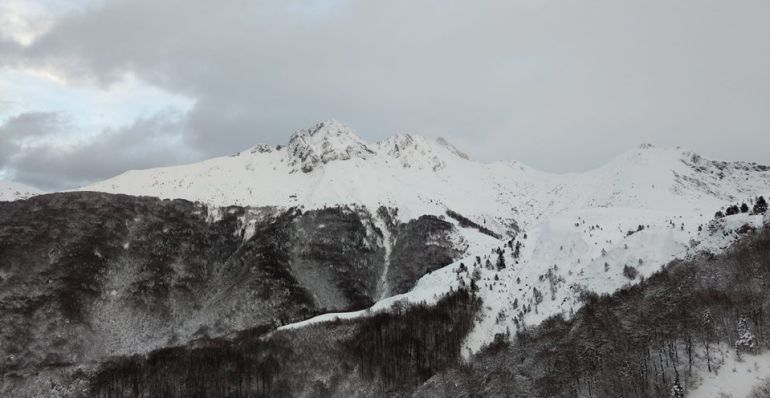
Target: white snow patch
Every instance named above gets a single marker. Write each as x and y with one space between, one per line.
733 378
10 191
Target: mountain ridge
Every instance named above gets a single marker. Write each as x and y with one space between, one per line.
330 164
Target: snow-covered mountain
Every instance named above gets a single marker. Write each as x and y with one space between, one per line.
273 241
10 190
329 164
593 231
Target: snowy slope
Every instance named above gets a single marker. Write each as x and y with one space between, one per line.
10 190
562 259
733 377
577 232
329 164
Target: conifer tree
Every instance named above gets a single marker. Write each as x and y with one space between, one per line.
760 206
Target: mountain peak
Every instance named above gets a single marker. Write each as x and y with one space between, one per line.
325 142
328 127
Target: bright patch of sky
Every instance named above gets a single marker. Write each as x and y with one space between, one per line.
87 109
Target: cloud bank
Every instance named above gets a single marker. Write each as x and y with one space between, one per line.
559 85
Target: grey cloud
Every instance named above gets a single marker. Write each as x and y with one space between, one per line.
148 142
558 85
15 131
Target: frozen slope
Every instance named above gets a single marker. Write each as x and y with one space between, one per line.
579 232
329 164
10 190
558 263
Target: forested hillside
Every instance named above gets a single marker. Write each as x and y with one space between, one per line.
388 354
643 341
647 340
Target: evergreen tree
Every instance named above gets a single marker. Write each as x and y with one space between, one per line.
476 275
500 260
760 206
677 391
744 208
745 337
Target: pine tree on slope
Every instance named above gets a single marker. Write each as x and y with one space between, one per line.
760 206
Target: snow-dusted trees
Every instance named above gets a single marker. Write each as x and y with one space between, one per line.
500 259
642 341
707 332
760 206
745 341
537 295
387 352
677 391
630 272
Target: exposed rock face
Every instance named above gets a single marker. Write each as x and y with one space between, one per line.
323 143
713 177
452 148
421 246
413 151
87 275
330 141
261 148
335 253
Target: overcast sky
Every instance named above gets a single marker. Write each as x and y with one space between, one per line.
91 88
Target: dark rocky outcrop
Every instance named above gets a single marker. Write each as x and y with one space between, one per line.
86 275
421 246
337 256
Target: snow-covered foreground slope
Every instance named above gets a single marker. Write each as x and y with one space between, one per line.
592 231
10 190
733 377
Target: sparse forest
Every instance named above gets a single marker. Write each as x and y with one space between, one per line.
387 353
646 340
